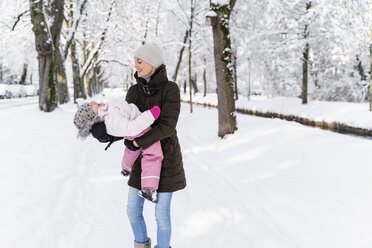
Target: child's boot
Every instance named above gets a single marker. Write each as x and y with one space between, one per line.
141 245
148 194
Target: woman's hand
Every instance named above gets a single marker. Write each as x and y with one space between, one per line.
130 145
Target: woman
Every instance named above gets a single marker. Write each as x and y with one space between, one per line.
153 88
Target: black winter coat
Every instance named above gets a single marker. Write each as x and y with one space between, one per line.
165 94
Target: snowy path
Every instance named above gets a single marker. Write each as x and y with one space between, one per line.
272 184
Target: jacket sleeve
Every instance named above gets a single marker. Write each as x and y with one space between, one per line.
170 112
120 126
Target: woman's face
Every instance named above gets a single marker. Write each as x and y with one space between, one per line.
143 69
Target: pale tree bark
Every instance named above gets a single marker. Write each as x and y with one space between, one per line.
63 95
234 62
180 56
146 27
157 19
192 8
205 77
370 72
47 42
305 60
223 64
79 89
72 24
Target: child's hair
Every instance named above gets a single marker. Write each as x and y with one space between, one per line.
84 119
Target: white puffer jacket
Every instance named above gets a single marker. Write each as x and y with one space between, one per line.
124 119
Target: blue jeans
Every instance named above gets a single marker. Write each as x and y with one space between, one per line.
162 214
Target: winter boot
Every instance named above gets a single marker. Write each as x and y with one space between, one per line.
145 245
148 194
125 172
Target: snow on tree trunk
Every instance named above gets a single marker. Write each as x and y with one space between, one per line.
63 96
180 56
79 89
370 74
190 40
305 61
223 64
47 23
24 74
205 77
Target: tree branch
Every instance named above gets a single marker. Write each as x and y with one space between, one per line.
19 18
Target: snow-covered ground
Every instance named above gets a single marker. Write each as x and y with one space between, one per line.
273 184
352 114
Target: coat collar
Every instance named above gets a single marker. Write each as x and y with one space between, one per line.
158 78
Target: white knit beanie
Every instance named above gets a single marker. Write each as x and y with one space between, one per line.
150 53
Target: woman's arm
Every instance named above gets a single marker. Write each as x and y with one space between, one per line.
168 120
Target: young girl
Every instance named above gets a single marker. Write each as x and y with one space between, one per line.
125 120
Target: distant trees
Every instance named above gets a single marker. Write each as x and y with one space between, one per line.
274 42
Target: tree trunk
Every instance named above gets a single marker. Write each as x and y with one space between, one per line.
224 75
24 74
234 59
194 82
47 84
63 95
305 61
79 89
370 73
1 71
180 56
157 19
190 87
305 74
205 78
72 24
46 41
190 35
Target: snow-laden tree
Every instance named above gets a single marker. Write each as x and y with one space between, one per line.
47 19
220 22
17 49
73 14
271 35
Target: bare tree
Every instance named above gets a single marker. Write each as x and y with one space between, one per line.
185 38
192 9
305 60
223 61
72 24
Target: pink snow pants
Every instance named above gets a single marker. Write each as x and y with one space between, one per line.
151 161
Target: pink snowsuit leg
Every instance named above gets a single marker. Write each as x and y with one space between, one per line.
152 158
128 159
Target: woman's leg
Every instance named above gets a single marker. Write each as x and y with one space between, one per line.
135 216
163 219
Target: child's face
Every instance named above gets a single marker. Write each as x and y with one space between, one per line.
95 106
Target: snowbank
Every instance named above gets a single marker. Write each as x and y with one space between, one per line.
351 114
17 90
